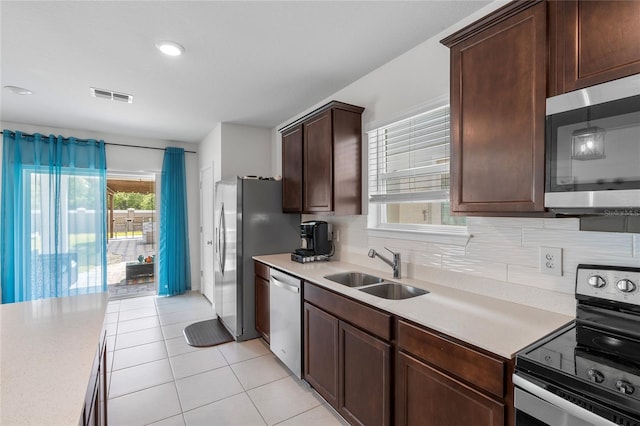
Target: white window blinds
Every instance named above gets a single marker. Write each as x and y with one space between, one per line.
409 159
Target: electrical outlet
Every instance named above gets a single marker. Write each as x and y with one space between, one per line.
551 260
336 235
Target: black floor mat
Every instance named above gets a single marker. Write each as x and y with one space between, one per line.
206 333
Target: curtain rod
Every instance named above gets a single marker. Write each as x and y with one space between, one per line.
120 144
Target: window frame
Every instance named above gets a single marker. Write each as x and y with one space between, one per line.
447 234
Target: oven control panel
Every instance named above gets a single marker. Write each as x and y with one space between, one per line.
607 374
618 284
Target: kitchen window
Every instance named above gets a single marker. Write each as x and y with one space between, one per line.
409 177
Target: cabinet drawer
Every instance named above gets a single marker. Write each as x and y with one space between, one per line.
450 402
482 370
262 270
369 319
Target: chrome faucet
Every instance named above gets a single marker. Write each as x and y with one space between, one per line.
395 264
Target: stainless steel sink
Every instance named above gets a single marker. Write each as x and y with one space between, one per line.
354 279
393 291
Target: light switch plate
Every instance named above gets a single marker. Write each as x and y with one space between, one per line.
551 260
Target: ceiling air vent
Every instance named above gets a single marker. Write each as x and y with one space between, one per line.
108 94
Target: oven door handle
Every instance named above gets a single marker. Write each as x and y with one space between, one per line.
560 402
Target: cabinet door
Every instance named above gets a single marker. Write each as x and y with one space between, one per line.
292 171
318 161
102 389
95 409
262 306
498 87
427 396
365 378
321 352
347 162
593 42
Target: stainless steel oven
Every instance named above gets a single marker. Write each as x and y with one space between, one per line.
593 148
587 373
537 406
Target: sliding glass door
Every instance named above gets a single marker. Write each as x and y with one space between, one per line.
67 234
53 235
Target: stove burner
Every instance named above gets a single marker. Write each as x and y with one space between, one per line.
625 348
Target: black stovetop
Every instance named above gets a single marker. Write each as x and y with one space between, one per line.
597 372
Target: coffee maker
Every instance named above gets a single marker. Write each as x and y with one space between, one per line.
314 241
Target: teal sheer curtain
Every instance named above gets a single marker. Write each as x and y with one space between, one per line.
174 268
53 214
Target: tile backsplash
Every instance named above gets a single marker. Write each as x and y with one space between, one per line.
501 259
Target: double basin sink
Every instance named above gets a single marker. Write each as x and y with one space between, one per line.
376 286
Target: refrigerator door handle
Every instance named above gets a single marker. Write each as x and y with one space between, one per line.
223 255
219 239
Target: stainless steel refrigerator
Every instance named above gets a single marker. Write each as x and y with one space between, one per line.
248 222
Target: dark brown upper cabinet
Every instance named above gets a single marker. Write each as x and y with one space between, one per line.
592 42
318 164
498 91
292 170
322 161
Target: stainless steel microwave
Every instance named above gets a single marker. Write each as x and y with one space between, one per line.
593 149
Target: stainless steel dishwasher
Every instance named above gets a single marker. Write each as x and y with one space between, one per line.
285 320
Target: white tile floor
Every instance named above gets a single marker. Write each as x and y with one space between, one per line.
156 378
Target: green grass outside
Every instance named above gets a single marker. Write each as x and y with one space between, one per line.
126 234
81 238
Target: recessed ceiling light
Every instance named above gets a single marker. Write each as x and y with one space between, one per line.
170 48
18 90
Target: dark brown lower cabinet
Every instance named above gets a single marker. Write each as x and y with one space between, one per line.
321 352
426 396
262 307
365 374
376 369
262 276
350 368
95 406
441 381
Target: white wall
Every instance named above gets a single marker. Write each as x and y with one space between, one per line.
501 258
142 160
245 150
210 151
237 150
398 88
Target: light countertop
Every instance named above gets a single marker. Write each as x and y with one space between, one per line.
47 348
498 326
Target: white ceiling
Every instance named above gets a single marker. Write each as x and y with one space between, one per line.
254 63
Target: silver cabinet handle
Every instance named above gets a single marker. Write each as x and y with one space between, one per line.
291 288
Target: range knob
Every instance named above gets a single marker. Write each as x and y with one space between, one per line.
595 376
596 281
625 387
626 286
